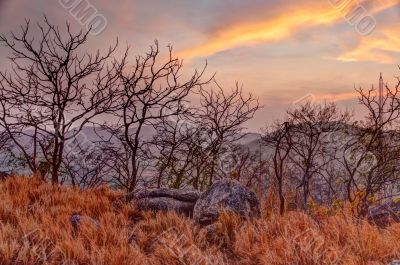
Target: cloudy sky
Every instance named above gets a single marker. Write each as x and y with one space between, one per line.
280 50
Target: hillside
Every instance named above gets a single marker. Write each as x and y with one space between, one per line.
35 229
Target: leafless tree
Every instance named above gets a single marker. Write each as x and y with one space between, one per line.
278 138
192 148
53 90
309 124
250 167
302 149
151 90
175 142
222 116
84 163
371 157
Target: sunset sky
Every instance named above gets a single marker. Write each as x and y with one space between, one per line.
280 50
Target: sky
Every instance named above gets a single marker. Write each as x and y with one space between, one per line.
281 51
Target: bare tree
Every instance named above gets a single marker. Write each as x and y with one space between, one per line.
175 142
151 90
53 90
222 116
309 124
84 162
278 138
192 146
250 167
371 156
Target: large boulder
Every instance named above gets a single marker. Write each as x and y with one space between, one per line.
180 201
228 195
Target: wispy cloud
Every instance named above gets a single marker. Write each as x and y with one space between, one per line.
378 48
279 26
337 96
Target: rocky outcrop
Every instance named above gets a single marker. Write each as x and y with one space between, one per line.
225 195
180 201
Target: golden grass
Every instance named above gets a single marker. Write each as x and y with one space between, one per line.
35 229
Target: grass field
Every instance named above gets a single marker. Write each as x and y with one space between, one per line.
35 229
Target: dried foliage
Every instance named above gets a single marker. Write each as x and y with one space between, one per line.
35 229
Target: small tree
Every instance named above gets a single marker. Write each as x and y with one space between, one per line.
175 141
84 162
371 157
192 145
248 166
222 116
151 90
278 138
53 91
309 124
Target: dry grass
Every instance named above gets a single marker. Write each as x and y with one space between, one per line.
35 229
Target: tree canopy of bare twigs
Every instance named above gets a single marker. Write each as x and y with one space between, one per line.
371 158
53 90
192 147
151 90
300 147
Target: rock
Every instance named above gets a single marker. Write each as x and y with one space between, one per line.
78 220
180 201
228 195
157 204
385 213
180 195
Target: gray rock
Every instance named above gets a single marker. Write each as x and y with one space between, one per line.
180 195
180 201
77 220
228 195
164 204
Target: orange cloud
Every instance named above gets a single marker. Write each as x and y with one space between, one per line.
375 48
337 97
280 27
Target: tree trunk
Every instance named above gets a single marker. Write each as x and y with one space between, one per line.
281 200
